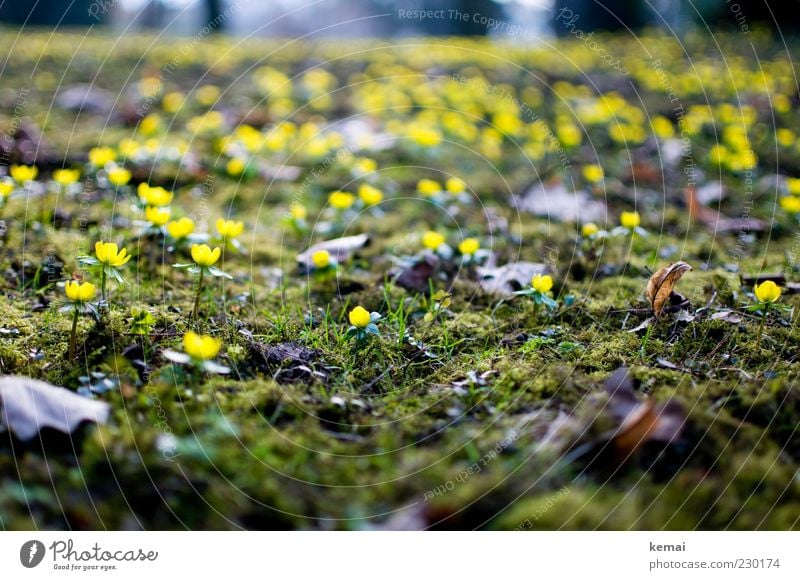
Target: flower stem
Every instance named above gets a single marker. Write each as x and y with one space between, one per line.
197 296
73 335
103 284
763 320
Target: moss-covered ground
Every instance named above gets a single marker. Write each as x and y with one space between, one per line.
477 417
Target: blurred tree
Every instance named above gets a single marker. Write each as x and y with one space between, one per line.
744 14
215 11
588 15
49 13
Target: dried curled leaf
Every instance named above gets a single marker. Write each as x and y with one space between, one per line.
660 285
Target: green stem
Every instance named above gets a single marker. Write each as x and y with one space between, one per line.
646 338
73 335
197 296
763 320
103 283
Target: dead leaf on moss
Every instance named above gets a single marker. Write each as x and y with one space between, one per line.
660 285
28 406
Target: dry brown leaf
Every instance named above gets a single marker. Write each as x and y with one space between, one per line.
660 285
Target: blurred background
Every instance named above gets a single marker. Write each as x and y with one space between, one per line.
525 20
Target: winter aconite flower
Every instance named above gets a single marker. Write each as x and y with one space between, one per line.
229 229
23 173
201 347
540 292
204 256
157 216
79 292
455 185
66 177
110 255
790 204
108 258
321 259
359 317
204 259
542 283
100 156
370 195
363 323
341 200
469 246
199 351
118 176
593 173
630 225
428 187
432 240
154 196
630 219
235 167
181 228
767 292
589 229
79 297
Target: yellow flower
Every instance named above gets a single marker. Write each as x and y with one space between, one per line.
455 185
469 246
541 283
593 173
630 219
359 317
428 187
99 156
66 177
23 173
229 229
109 254
78 292
432 240
205 256
341 199
767 291
200 346
118 176
235 167
157 216
793 185
6 187
156 196
298 211
589 229
149 124
181 228
365 165
370 195
172 102
790 204
321 259
207 95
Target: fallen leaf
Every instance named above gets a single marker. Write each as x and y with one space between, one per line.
554 201
715 220
340 249
660 285
727 316
509 278
29 405
286 362
639 421
418 275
